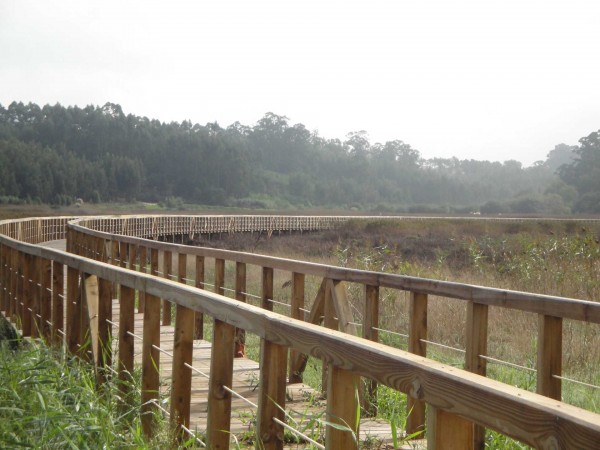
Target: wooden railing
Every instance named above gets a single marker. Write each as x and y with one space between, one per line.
460 403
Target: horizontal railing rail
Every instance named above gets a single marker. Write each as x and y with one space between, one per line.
568 308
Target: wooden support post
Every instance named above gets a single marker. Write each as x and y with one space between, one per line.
45 267
198 316
221 374
104 355
19 291
296 366
271 401
370 323
342 409
219 276
14 264
36 291
181 386
132 250
126 342
15 282
6 270
115 258
3 305
143 258
7 279
126 326
315 317
342 310
122 254
58 304
150 354
167 272
267 288
27 303
90 305
73 309
476 345
329 321
182 268
417 332
549 359
240 289
446 431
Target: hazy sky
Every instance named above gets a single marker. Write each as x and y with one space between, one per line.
473 79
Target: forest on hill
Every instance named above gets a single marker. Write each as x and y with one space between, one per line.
55 154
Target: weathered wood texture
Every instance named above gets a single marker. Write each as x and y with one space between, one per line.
417 334
454 396
221 375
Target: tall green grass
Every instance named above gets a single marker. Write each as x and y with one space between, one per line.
51 400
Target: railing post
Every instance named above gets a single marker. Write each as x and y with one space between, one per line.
549 359
198 316
123 254
104 355
271 403
267 288
126 343
45 266
19 290
36 300
240 289
476 345
182 268
3 305
167 272
370 332
417 332
4 273
182 354
181 386
342 409
143 256
26 322
73 309
58 304
150 353
89 311
446 431
115 258
219 276
6 280
14 265
221 374
298 282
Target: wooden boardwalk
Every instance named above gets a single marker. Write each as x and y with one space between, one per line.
460 404
303 403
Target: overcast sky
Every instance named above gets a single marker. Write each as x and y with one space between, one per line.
474 79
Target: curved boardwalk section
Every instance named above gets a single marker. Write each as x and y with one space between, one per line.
160 299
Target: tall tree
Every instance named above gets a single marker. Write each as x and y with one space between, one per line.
584 174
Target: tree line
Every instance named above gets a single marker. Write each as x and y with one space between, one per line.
55 154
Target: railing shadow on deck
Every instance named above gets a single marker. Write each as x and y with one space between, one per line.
460 403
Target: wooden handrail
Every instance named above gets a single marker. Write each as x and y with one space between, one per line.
567 308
